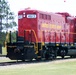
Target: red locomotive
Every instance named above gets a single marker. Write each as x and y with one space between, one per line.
43 35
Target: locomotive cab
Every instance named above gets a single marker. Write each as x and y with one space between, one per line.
25 46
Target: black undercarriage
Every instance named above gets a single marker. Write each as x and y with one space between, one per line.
26 50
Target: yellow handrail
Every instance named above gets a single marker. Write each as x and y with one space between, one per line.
35 45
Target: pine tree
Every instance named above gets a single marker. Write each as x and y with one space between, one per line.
6 15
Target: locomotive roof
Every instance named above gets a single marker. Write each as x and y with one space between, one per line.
53 15
44 12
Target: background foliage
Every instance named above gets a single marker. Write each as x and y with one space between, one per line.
7 20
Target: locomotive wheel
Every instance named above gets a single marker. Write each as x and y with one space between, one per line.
50 56
63 53
72 56
62 57
38 59
45 55
23 60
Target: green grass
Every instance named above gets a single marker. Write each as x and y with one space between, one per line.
64 68
4 52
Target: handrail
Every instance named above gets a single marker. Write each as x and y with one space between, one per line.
35 45
34 34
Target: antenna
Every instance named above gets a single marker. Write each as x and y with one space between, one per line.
64 0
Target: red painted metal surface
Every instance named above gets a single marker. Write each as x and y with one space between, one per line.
47 27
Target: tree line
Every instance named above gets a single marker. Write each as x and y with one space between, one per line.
7 19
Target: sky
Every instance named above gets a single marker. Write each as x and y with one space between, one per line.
44 5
